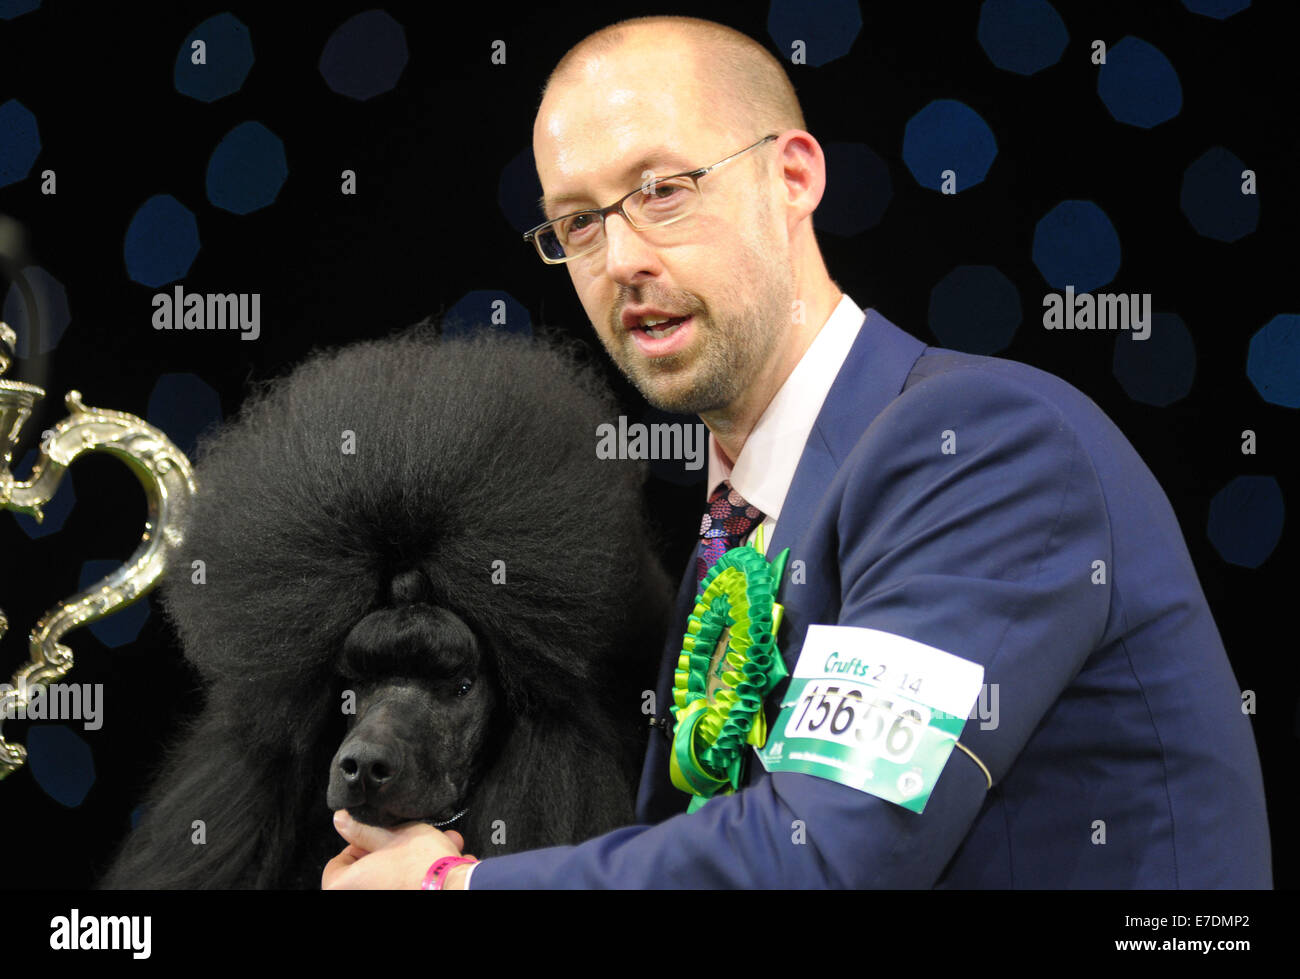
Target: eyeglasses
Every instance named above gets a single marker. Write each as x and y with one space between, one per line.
656 202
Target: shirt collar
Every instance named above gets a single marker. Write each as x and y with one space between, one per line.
765 469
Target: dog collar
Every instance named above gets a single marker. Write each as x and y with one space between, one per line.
448 822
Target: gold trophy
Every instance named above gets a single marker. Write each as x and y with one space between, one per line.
168 484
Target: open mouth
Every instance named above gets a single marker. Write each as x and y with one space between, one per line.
660 337
664 328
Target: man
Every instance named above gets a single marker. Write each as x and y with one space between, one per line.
966 520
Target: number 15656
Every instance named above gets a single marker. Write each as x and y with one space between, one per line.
859 718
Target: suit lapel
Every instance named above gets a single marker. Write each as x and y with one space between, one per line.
871 377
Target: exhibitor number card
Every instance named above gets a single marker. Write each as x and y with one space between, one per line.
874 711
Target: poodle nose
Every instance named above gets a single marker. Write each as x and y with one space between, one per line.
367 765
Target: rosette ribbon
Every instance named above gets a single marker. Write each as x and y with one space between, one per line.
728 664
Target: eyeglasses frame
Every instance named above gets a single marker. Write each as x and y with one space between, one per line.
617 206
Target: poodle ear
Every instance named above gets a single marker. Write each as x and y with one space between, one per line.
556 781
221 815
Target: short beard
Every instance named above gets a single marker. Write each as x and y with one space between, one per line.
732 349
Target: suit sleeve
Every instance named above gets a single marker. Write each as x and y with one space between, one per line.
969 519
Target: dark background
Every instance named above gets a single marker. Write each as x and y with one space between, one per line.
427 227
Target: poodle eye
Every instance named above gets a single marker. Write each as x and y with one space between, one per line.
464 687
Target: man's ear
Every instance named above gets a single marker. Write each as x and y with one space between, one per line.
803 170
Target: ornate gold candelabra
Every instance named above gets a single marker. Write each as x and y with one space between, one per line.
168 484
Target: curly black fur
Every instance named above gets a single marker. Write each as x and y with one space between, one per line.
467 452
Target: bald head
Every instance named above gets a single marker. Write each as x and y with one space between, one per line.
745 89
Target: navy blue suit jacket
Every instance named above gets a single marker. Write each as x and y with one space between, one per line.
1120 757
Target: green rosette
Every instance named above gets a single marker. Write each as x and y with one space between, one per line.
728 664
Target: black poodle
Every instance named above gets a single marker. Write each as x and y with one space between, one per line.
412 590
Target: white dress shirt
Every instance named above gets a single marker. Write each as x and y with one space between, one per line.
765 469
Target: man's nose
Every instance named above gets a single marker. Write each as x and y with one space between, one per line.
628 256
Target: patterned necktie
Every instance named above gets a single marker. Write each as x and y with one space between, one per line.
726 524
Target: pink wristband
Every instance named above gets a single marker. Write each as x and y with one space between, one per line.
437 875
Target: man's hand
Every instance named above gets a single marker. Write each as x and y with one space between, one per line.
390 859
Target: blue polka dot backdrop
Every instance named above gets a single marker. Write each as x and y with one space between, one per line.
62 763
247 169
184 406
488 311
1075 244
36 307
1216 195
813 34
365 56
162 240
20 142
1272 359
1024 36
975 309
518 191
194 200
948 147
858 189
1218 9
1246 519
1159 369
227 37
9 9
1139 85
